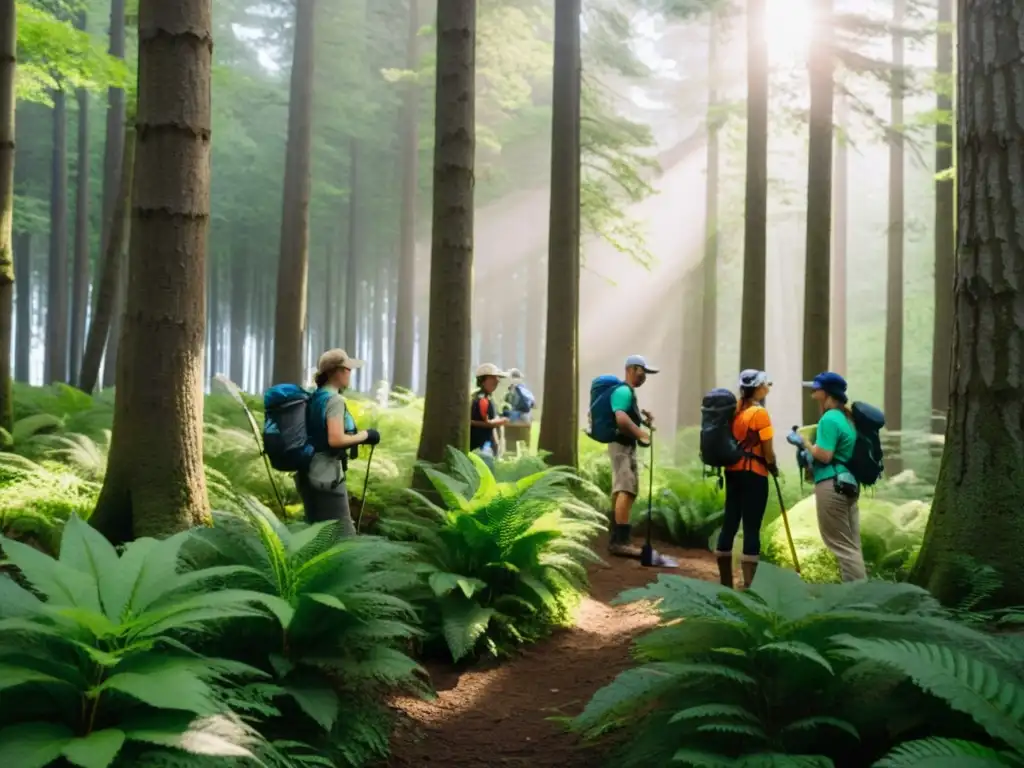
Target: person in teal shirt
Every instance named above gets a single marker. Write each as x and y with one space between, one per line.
835 490
630 422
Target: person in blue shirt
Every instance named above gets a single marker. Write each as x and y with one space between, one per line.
633 425
835 490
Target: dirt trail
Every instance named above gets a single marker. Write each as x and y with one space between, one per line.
496 715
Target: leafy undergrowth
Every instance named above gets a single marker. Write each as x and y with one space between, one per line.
794 674
505 562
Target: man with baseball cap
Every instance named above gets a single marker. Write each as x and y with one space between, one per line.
483 416
333 433
630 420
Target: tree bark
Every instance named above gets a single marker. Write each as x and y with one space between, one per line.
80 274
293 267
559 433
840 218
819 203
709 266
111 277
23 285
113 155
536 310
893 376
155 485
57 294
240 297
405 311
755 229
8 64
945 232
976 510
445 414
351 336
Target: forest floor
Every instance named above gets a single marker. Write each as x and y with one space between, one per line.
497 714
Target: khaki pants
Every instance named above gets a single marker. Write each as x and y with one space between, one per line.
839 524
625 477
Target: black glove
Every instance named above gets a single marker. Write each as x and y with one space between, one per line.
773 468
372 437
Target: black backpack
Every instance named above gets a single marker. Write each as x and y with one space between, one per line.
866 463
719 447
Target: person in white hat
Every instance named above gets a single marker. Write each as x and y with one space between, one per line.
333 434
483 416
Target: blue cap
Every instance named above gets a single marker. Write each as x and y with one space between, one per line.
830 383
639 361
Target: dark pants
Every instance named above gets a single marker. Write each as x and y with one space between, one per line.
321 506
746 496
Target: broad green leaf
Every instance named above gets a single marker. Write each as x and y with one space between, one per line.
151 570
61 584
800 650
329 600
464 622
442 583
94 622
32 745
814 723
88 551
12 676
318 700
783 591
97 750
214 737
15 600
165 689
182 614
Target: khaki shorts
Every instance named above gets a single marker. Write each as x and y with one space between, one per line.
624 470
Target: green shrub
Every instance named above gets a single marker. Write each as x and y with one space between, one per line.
101 661
789 673
334 652
505 562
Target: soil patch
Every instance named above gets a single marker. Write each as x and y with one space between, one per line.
497 714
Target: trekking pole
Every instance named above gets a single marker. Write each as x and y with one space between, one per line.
785 522
366 485
647 553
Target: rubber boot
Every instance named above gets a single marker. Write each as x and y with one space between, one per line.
725 568
620 545
749 568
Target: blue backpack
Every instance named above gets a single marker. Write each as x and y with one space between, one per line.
288 439
602 427
521 399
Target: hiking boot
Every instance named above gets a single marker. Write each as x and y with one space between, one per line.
725 569
620 545
749 568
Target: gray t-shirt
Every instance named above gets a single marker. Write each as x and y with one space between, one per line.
325 471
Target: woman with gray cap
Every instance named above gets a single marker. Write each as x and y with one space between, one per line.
332 433
835 490
746 481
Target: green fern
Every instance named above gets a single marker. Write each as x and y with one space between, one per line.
505 561
947 753
771 676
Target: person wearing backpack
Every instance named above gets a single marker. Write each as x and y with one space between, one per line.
333 435
836 489
746 481
519 401
617 419
483 416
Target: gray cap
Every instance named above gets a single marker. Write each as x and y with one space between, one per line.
639 361
753 378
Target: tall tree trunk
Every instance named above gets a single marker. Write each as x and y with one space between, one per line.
57 294
559 433
445 414
113 155
80 274
351 337
293 267
840 217
976 511
893 376
213 312
691 348
8 54
945 224
536 309
755 229
240 298
155 484
709 266
379 325
405 311
112 275
819 203
23 285
330 335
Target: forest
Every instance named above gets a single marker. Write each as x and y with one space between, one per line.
325 327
